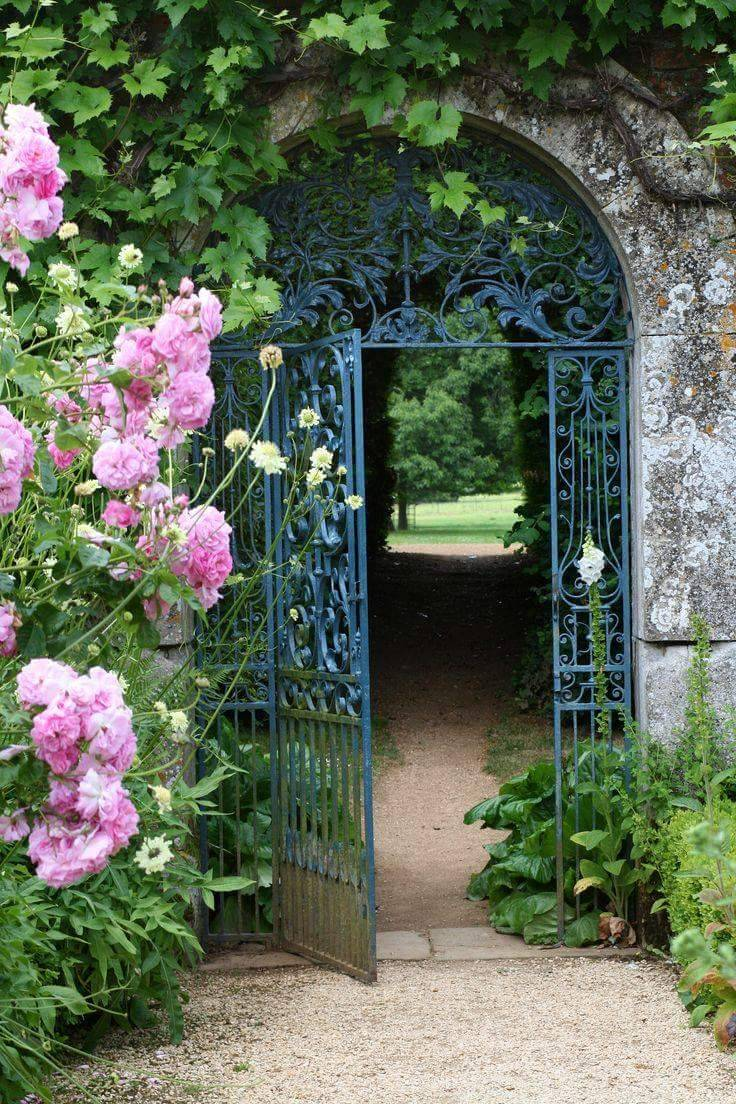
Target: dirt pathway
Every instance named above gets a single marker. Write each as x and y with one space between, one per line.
443 648
427 1033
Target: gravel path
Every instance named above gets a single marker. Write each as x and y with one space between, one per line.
432 1033
442 673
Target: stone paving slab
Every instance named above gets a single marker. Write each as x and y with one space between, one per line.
402 946
440 944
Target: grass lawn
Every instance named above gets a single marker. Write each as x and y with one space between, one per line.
474 519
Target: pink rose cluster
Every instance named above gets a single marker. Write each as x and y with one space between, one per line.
17 453
82 729
9 624
30 180
170 390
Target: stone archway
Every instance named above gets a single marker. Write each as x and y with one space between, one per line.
679 264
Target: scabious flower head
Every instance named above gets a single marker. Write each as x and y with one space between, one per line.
179 723
72 320
354 501
308 418
63 275
271 357
130 257
267 456
236 439
321 458
87 488
153 855
68 230
162 797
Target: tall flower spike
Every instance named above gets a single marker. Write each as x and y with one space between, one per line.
591 563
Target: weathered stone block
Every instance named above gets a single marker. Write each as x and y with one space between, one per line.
685 508
661 681
177 627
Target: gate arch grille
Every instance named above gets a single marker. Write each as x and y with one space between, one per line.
355 244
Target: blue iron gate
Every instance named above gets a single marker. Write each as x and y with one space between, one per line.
588 446
321 754
361 255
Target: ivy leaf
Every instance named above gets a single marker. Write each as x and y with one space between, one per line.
82 102
147 79
105 54
97 22
546 41
367 32
374 103
177 9
79 155
432 124
488 214
455 191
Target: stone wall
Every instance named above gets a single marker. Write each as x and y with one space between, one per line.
679 261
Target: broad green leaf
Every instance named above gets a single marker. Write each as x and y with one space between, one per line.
147 78
79 155
455 191
367 32
586 883
431 124
488 214
589 840
546 41
582 932
82 102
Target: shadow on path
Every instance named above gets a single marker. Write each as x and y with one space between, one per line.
445 637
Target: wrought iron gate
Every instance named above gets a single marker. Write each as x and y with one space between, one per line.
588 447
356 242
321 754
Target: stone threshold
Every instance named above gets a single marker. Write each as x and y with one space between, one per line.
438 944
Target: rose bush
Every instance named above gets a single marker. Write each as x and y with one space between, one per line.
102 385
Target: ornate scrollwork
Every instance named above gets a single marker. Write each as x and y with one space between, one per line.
356 242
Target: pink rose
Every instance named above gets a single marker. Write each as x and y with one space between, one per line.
182 349
122 464
134 351
190 399
113 741
35 152
57 734
41 680
120 515
210 314
63 458
23 440
205 561
14 827
24 117
16 258
63 852
9 622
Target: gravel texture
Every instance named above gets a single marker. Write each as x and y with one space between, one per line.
430 1033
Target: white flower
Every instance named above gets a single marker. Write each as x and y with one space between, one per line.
70 320
179 723
308 418
236 439
321 458
314 478
591 563
11 288
267 455
68 230
160 707
130 257
88 488
342 470
162 797
63 275
271 356
354 501
294 614
153 854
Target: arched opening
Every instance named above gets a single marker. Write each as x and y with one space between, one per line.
376 258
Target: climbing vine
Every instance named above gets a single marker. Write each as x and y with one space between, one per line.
163 105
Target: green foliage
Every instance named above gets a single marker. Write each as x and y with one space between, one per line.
454 425
165 105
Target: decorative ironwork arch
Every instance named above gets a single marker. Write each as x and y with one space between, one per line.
364 259
357 243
